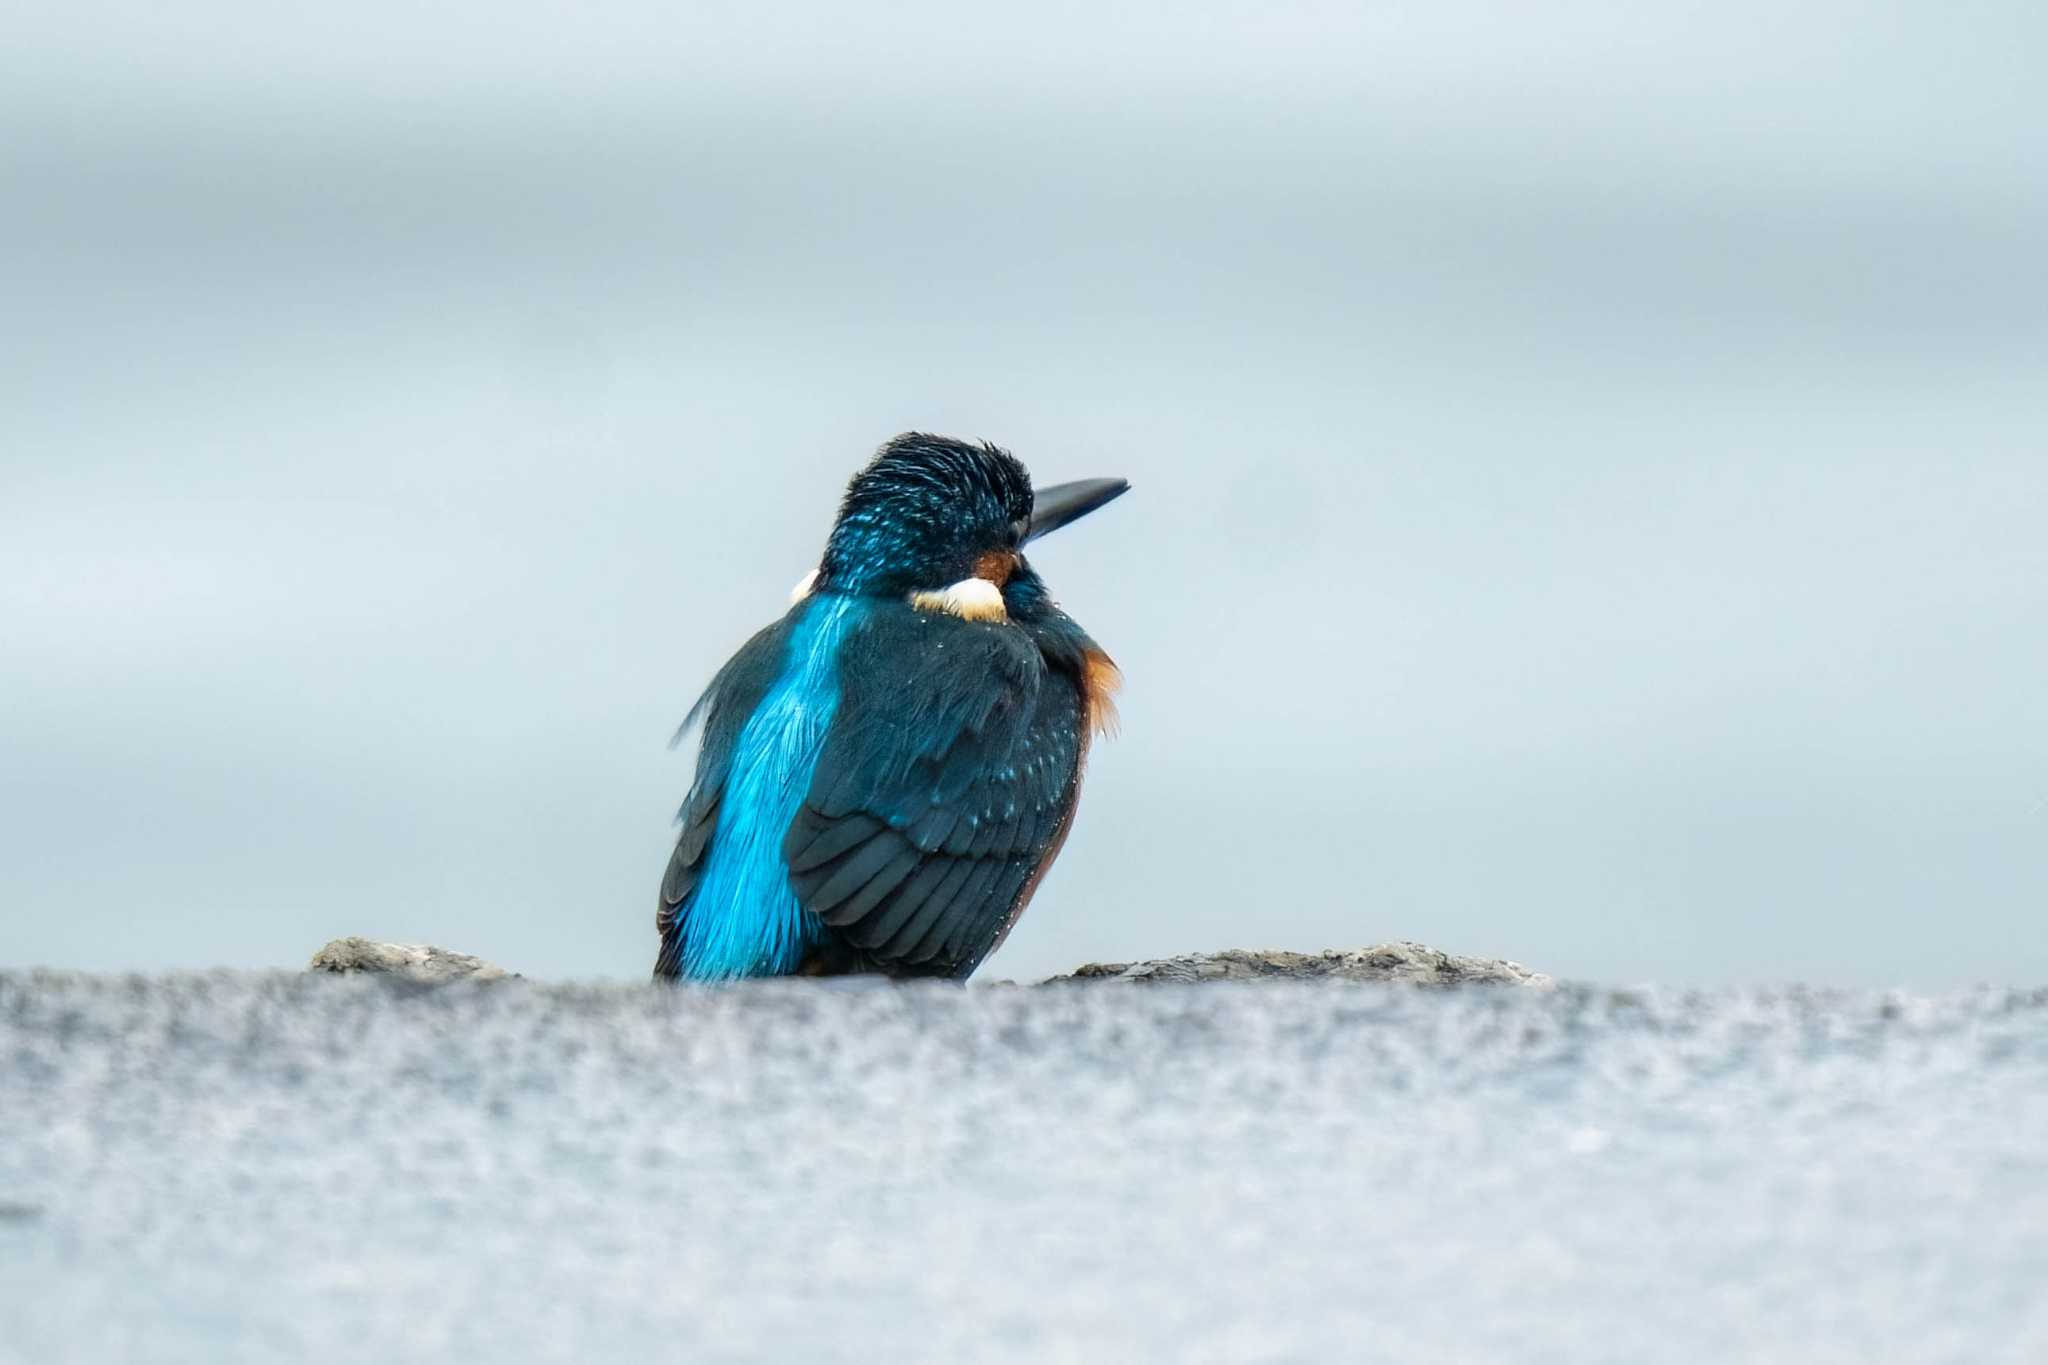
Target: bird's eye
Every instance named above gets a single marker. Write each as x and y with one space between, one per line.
1017 530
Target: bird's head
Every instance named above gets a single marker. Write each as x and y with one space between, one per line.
936 519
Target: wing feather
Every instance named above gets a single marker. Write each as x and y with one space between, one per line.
935 907
951 762
854 871
875 930
831 839
904 861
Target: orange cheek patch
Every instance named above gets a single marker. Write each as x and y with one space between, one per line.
996 566
1100 680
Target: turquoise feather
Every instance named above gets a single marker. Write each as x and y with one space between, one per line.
744 919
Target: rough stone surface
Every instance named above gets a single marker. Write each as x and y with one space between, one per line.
1414 963
412 961
244 1167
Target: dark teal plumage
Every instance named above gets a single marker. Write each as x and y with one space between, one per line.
946 770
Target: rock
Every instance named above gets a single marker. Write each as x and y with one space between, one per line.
1410 962
411 961
1414 963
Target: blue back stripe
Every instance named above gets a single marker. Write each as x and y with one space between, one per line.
743 918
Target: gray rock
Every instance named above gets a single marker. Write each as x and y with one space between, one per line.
413 962
1414 963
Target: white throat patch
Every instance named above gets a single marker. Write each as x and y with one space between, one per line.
803 586
975 599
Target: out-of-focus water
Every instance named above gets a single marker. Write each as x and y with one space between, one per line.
274 1167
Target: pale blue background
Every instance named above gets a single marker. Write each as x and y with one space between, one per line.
1589 459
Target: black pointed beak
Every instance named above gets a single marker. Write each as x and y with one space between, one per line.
1054 507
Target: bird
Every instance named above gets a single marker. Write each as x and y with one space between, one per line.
885 774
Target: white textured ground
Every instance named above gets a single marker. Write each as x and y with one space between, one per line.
277 1167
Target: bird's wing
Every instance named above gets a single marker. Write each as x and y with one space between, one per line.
944 784
724 709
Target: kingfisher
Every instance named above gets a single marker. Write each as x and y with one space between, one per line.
885 774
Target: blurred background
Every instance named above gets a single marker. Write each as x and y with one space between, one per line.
1589 460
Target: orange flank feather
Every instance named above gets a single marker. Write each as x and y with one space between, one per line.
1100 681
